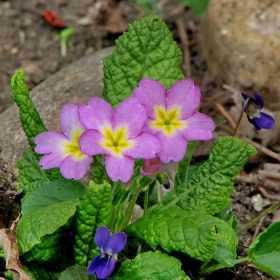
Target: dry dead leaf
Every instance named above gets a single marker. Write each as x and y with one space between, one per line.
8 243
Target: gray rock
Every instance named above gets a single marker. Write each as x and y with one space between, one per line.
76 83
240 41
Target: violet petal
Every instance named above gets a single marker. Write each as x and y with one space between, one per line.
102 266
259 101
105 269
265 121
116 243
245 96
101 237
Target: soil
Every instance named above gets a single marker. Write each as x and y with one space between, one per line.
28 42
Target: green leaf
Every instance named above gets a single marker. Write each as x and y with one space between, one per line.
145 50
94 211
265 251
227 215
76 273
30 119
210 187
153 266
48 249
219 122
190 232
199 6
224 254
32 227
38 272
31 176
52 192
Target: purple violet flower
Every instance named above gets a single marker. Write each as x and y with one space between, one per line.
172 117
255 116
62 149
110 245
118 134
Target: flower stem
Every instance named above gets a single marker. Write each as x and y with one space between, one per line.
207 270
268 211
158 191
146 200
130 207
240 116
183 166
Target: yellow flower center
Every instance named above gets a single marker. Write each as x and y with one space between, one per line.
167 121
73 148
115 141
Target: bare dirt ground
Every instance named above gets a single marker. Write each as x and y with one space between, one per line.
28 42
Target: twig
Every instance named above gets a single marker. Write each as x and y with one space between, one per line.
222 110
263 149
185 45
258 227
268 195
269 174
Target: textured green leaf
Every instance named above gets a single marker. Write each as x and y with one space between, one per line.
265 251
145 50
48 249
32 227
30 119
52 192
76 273
31 176
190 232
37 272
210 187
151 266
94 211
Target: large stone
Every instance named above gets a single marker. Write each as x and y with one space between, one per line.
76 83
240 41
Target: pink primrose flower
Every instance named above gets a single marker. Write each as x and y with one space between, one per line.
151 167
117 134
172 117
62 149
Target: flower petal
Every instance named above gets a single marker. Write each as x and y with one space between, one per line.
76 169
198 127
151 93
144 146
51 160
172 147
265 121
245 95
90 143
132 114
70 123
119 168
101 238
99 112
185 95
116 243
259 101
50 141
102 266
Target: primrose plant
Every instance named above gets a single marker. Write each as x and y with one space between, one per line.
83 184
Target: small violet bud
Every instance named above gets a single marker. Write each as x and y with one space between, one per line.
253 109
109 245
167 184
151 167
